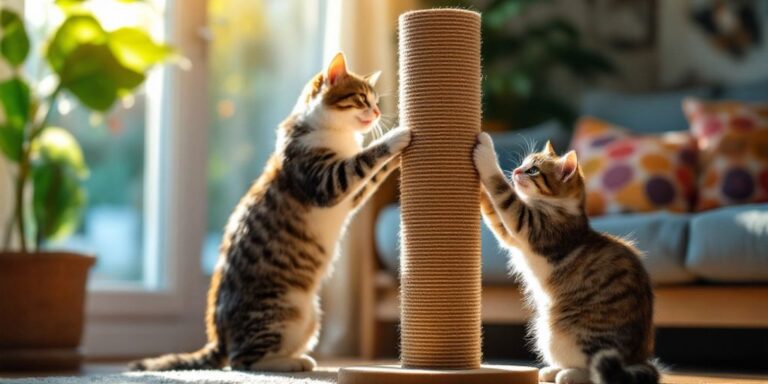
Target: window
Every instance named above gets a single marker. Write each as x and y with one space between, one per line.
259 64
147 194
117 147
154 157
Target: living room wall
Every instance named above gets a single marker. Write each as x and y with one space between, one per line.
666 44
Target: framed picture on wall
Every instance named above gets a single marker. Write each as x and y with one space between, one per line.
732 27
713 41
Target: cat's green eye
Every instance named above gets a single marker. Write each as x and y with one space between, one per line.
532 171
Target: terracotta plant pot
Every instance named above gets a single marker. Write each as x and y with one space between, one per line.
42 296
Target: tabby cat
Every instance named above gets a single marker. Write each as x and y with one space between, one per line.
281 238
591 294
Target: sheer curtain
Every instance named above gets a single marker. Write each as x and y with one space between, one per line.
366 32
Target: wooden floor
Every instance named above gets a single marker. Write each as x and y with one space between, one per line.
99 368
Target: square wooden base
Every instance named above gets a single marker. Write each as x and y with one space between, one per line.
393 374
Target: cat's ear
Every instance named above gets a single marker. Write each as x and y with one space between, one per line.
569 164
549 149
373 78
336 69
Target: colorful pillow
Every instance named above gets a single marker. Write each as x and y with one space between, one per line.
625 172
733 143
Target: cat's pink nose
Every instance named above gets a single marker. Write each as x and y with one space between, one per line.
517 171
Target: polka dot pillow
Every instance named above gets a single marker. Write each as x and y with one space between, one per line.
626 172
733 144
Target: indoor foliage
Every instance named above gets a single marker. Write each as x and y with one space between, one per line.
95 66
520 57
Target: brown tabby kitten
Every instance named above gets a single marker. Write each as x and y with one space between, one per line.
281 238
592 296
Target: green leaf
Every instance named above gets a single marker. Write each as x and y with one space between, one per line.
14 44
521 83
136 49
59 146
96 77
74 32
58 169
57 201
15 101
11 142
14 98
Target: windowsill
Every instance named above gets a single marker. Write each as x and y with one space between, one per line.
117 286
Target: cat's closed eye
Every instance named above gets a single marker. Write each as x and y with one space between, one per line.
358 100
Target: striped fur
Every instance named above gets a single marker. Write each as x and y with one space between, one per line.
592 296
281 238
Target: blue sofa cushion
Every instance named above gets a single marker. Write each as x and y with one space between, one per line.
511 148
730 244
752 91
661 236
641 113
388 247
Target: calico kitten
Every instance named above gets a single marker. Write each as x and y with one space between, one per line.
281 238
591 294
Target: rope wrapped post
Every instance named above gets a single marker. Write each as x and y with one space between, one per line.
440 307
440 191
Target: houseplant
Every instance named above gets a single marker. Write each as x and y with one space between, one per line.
41 308
520 57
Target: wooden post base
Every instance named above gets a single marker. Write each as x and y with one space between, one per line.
393 374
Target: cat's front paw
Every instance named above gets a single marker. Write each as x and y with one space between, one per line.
548 374
397 139
573 376
485 155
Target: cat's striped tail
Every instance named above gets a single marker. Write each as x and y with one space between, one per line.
608 367
211 356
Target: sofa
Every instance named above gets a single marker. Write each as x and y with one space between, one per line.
709 269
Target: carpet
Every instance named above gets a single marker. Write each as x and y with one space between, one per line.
323 375
187 377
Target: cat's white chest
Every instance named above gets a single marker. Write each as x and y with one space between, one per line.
534 270
559 349
327 225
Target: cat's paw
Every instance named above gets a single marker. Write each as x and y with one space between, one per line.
548 374
397 139
485 139
302 363
573 376
485 155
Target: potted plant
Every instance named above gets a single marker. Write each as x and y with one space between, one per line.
42 292
520 59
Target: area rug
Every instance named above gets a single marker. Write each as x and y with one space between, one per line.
186 377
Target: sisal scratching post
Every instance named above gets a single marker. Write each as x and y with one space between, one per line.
440 264
440 191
